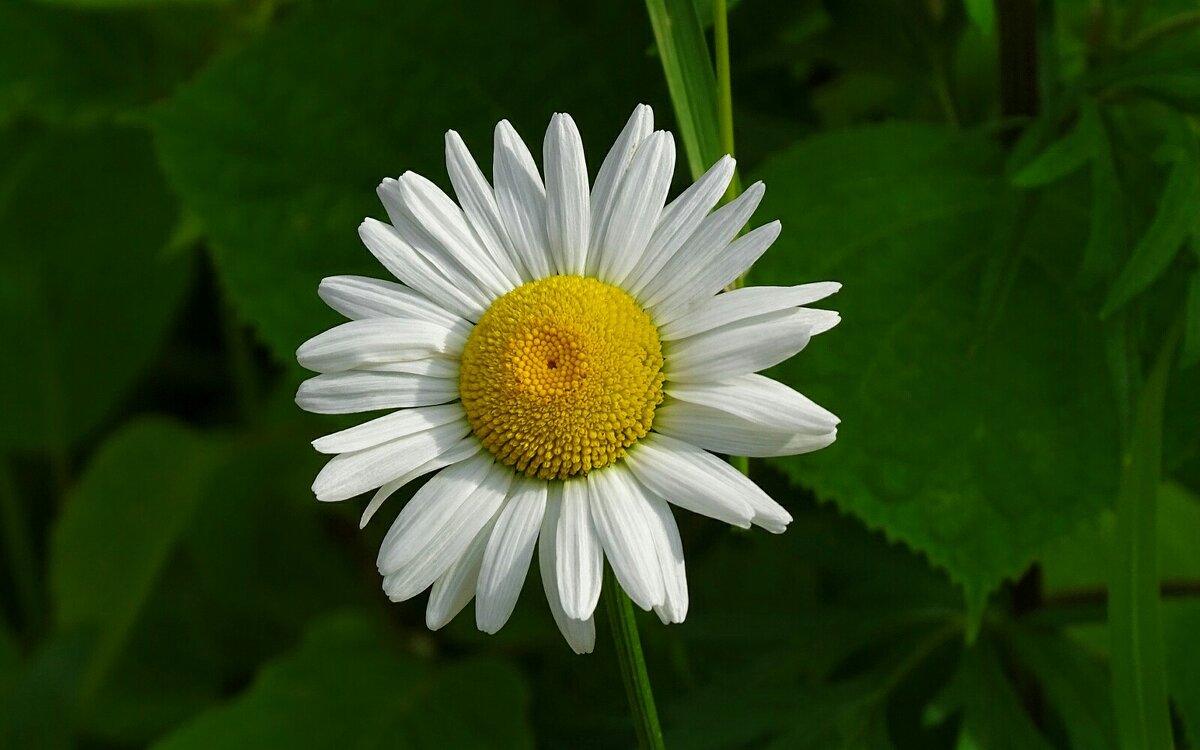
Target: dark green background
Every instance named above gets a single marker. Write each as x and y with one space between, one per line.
176 178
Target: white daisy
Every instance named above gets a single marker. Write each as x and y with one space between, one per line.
564 358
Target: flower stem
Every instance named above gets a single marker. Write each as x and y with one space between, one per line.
725 127
633 664
724 94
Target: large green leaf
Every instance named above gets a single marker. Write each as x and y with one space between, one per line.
345 687
258 560
78 67
278 148
119 527
86 294
975 444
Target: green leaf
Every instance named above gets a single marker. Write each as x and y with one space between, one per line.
993 715
1172 223
42 710
278 147
1065 155
1108 235
1075 684
679 36
345 687
983 14
118 529
1190 354
85 294
1134 606
963 445
1181 623
260 558
80 67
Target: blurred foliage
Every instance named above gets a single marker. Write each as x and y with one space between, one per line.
177 176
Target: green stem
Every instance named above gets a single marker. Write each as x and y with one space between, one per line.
1134 602
725 128
724 93
633 664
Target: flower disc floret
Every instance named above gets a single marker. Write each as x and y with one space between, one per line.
561 375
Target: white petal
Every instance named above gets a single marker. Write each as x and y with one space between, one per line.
455 264
738 348
455 588
415 270
377 341
722 432
425 542
679 221
460 451
441 220
431 508
669 548
761 400
619 512
718 274
350 392
580 634
681 478
509 550
479 204
389 427
608 179
639 203
579 553
749 302
358 297
703 247
521 198
434 367
350 474
706 470
684 475
568 204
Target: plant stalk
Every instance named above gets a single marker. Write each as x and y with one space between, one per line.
633 664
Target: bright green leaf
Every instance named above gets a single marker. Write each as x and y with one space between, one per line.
277 149
85 294
118 528
345 687
679 35
965 446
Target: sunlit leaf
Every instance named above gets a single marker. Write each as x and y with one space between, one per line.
964 444
277 149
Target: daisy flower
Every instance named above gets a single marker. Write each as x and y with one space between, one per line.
562 355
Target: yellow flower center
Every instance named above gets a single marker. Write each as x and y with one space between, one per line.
561 375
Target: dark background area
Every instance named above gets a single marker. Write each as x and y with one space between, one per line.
1008 194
